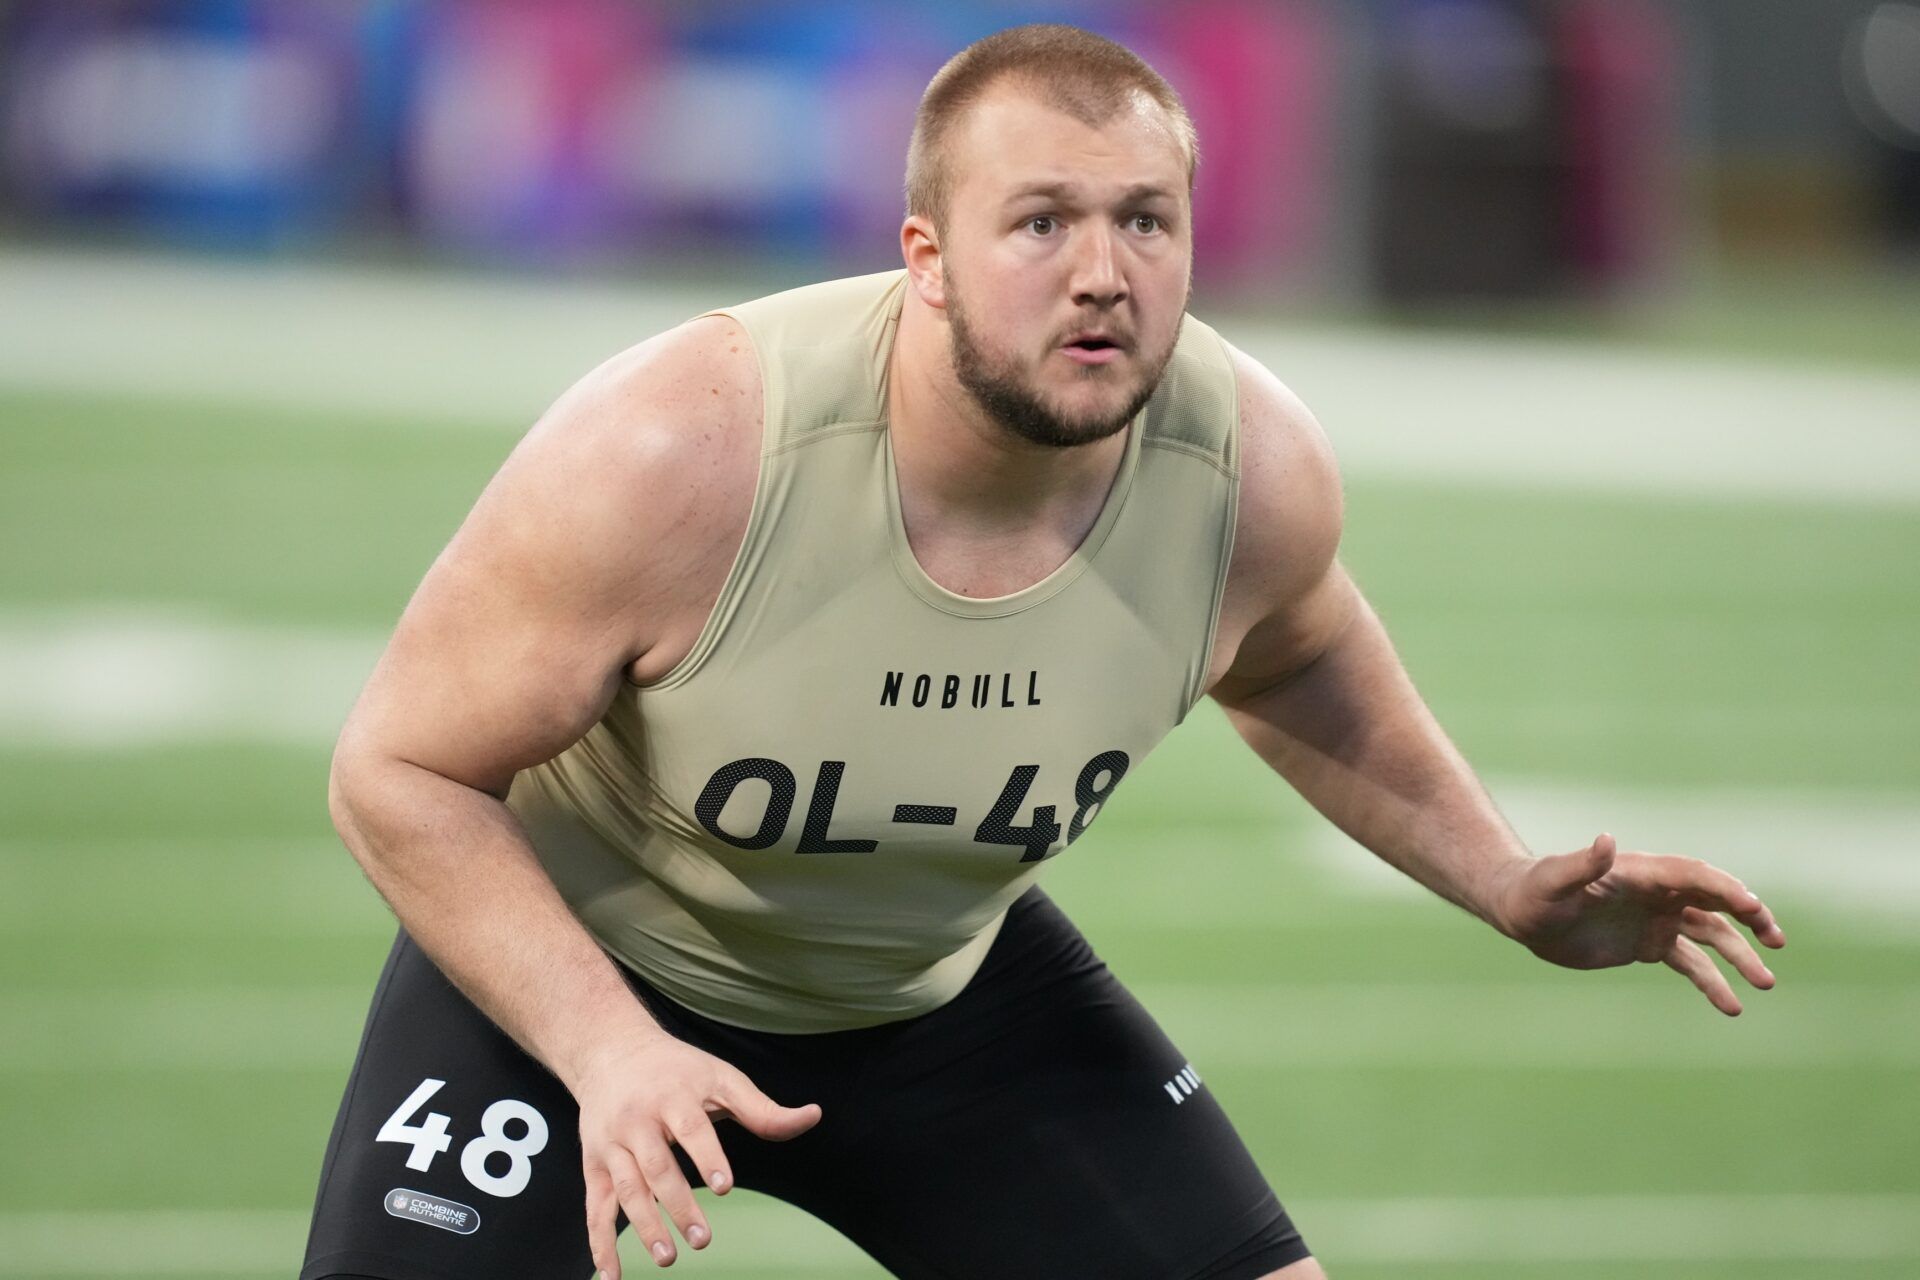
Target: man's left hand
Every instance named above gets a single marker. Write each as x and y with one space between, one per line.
1599 907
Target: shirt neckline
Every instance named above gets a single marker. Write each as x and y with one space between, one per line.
1063 576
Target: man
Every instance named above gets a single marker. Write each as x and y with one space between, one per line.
714 759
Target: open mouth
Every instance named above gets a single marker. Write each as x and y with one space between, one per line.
1091 351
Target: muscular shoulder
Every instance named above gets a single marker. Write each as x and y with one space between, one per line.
1291 505
1287 529
595 550
669 412
632 491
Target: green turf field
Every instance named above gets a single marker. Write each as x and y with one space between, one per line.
188 949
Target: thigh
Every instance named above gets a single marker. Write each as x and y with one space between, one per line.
454 1156
1042 1124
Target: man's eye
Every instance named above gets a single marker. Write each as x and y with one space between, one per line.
1152 222
1042 224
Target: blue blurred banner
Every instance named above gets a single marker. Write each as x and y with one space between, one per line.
592 129
211 122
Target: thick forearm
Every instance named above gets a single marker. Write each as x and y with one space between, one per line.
1353 736
456 867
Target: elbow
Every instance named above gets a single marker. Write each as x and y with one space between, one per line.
354 781
362 801
359 775
342 782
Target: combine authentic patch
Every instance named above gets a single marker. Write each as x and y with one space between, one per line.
449 1215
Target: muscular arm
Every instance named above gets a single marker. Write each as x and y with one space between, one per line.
1312 683
1310 680
588 552
596 552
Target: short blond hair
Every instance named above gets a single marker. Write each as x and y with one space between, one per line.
1089 77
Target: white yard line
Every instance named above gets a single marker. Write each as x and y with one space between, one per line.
1860 852
112 677
1625 1228
142 1242
426 348
269 1242
754 1232
81 679
127 675
1553 414
443 349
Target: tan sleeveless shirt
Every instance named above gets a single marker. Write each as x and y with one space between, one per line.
817 819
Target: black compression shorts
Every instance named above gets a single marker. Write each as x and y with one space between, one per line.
1039 1124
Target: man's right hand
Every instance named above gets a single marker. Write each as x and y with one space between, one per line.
634 1106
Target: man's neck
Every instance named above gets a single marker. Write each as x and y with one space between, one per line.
960 471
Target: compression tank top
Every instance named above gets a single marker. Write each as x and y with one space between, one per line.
817 819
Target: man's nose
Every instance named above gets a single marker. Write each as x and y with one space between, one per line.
1097 276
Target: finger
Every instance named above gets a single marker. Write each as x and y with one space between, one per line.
763 1115
1713 928
636 1197
1702 884
1565 874
1761 921
1745 906
1698 966
1690 875
702 1145
603 1227
669 1184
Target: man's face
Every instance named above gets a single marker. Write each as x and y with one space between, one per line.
1066 262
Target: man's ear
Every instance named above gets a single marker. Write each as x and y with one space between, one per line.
920 247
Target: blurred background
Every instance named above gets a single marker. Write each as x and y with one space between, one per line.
1611 309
